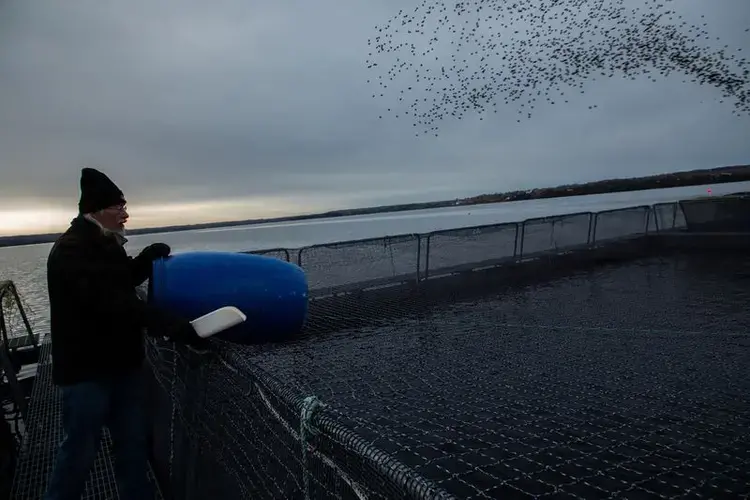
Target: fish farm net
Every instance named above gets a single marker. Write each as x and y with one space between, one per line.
623 380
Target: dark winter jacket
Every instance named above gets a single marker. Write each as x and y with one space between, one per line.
97 320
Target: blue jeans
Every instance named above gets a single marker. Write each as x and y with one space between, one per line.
117 403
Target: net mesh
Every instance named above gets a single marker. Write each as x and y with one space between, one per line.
278 253
465 387
555 233
726 213
667 216
533 393
361 263
460 249
235 433
622 223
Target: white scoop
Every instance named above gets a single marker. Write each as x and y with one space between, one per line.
218 321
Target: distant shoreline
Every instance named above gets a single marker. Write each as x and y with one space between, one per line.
720 175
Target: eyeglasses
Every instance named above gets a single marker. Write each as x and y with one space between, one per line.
118 208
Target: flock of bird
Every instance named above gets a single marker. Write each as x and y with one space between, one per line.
478 55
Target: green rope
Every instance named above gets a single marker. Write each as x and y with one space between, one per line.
310 406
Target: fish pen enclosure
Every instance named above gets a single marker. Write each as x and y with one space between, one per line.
587 355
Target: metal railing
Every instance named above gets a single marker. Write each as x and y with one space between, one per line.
360 264
10 299
10 364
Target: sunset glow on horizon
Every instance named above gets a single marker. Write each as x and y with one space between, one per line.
30 221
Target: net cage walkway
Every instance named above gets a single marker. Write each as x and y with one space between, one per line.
43 433
622 381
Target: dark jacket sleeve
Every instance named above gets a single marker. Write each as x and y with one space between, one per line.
108 290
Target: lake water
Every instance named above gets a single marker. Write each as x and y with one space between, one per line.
25 265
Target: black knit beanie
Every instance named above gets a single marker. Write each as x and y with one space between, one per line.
97 192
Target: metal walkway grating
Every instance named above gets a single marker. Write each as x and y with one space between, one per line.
44 432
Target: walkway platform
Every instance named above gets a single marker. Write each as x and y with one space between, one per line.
44 432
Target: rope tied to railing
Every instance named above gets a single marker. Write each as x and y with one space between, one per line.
310 408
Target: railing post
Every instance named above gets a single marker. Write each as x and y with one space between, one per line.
299 257
520 240
419 256
427 257
515 242
674 215
593 229
552 241
29 331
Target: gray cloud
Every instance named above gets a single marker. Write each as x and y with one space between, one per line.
197 100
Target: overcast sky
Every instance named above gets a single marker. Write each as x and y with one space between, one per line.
236 108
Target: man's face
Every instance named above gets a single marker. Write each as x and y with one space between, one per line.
113 218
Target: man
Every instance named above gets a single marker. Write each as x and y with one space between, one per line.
97 345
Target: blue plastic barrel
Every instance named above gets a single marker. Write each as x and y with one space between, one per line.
271 292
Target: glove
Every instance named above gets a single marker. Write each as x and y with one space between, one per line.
155 251
183 332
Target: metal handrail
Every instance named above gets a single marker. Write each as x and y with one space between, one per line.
423 270
8 287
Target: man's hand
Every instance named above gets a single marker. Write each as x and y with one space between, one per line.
156 251
180 330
